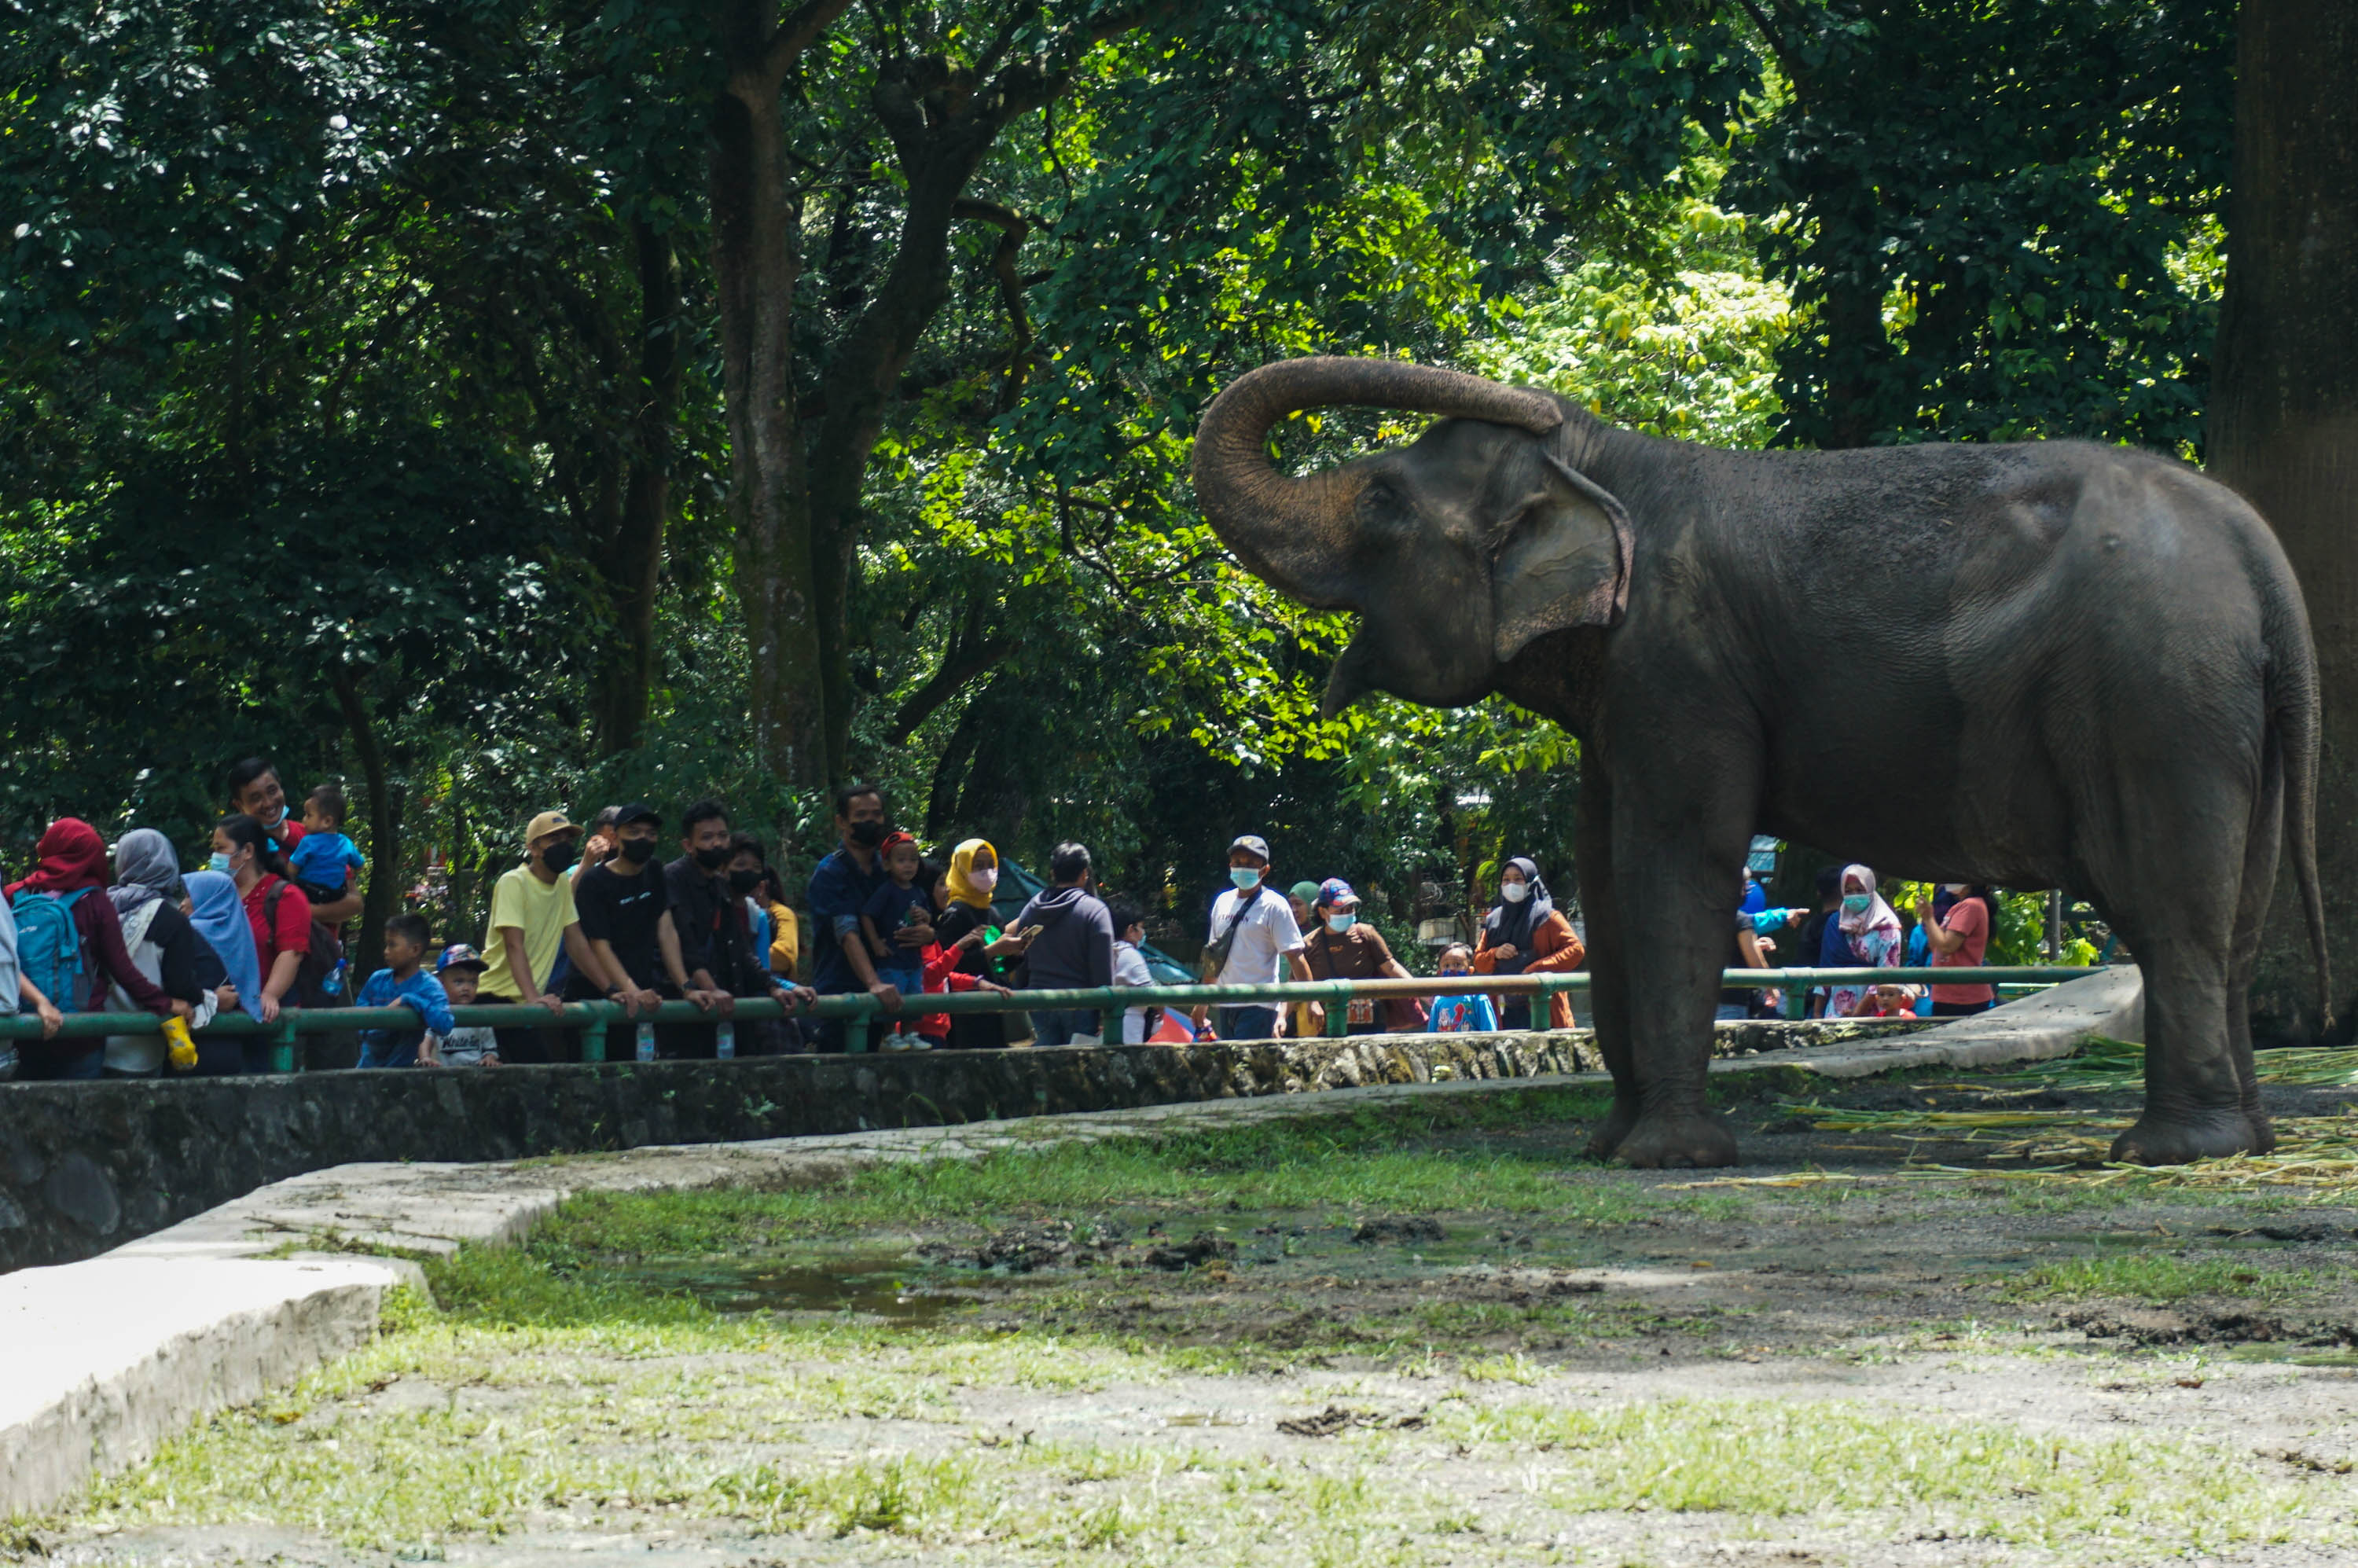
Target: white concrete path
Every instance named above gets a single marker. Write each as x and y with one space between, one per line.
102 1361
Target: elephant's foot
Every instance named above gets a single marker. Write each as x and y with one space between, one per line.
1615 1128
1664 1139
2263 1132
2162 1138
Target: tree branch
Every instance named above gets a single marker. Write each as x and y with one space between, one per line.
797 33
1013 228
971 652
1775 46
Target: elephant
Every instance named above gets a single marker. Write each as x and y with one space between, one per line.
2051 663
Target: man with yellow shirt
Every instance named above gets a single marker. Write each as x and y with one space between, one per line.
532 922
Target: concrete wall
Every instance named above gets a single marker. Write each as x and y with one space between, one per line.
86 1167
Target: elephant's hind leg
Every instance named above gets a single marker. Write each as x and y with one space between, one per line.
2174 878
2260 851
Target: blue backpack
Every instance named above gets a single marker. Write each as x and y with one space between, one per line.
49 948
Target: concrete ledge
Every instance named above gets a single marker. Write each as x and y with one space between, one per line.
2052 1023
107 1359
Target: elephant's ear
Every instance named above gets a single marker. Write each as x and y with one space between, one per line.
1564 562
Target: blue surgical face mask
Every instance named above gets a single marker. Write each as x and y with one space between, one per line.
1342 919
220 862
1856 902
1245 877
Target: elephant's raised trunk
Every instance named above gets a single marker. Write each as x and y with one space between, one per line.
1296 533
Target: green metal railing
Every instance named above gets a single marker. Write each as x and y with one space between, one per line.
859 1013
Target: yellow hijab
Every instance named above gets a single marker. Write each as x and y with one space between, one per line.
962 886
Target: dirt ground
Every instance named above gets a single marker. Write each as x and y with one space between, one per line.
1888 1338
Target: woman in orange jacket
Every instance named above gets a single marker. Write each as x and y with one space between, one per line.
1525 933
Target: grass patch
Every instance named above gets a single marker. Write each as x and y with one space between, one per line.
1428 1160
2152 1277
1830 1460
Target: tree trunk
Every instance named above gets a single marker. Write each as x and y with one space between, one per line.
2283 420
632 560
381 899
938 157
756 259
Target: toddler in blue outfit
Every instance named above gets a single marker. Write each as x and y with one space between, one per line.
324 858
1461 1015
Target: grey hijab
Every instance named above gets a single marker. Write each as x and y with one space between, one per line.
147 868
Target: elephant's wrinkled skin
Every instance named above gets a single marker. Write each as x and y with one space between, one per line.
2036 666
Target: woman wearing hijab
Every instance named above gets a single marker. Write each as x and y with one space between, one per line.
72 870
1864 935
1525 933
963 897
220 922
162 946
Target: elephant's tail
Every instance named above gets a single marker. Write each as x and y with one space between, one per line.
2293 701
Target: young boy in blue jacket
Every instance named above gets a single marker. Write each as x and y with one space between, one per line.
1461 1015
403 983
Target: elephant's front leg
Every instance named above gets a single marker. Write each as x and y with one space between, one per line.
1608 985
1677 872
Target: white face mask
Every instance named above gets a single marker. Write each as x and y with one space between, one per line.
1514 892
983 878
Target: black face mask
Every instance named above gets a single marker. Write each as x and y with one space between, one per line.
638 851
868 835
744 882
712 859
560 855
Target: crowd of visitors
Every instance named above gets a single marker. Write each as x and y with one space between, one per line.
1853 928
596 914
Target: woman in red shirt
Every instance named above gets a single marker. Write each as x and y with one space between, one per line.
274 906
1959 939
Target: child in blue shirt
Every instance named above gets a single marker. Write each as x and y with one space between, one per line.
324 860
900 902
403 983
1462 1014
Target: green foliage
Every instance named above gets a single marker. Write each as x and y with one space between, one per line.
209 615
350 306
1991 216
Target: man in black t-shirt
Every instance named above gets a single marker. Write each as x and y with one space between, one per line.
624 906
706 887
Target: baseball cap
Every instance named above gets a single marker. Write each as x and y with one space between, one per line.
637 811
1307 891
1335 893
1252 841
460 956
548 822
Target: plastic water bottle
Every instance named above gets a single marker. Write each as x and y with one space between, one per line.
647 1041
333 984
724 1040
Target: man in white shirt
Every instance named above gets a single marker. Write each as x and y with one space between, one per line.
1254 941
